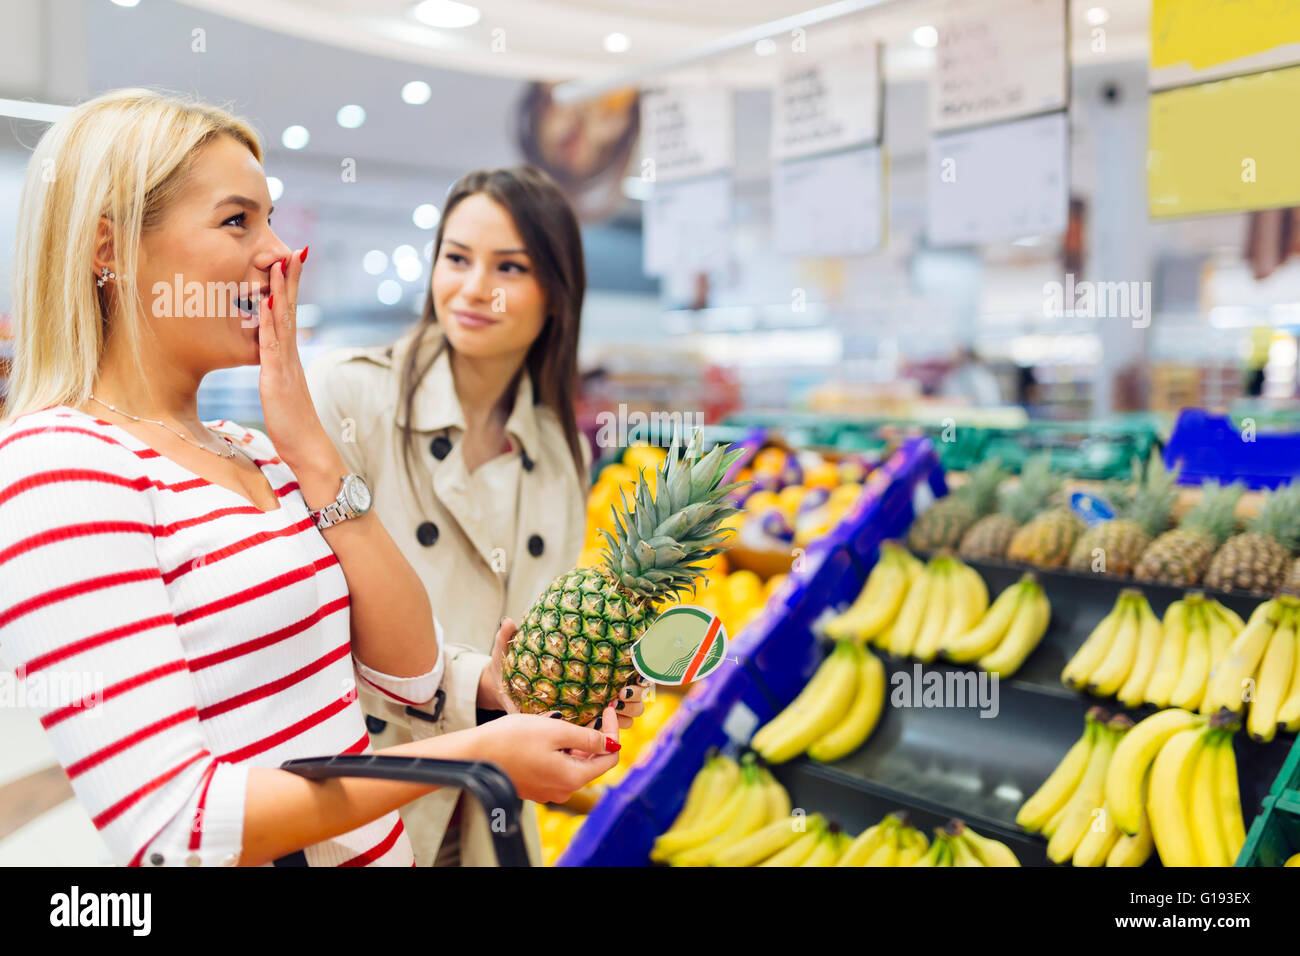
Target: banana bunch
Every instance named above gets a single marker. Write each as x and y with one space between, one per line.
1262 666
958 845
727 803
835 712
891 842
1007 632
1072 807
876 607
946 599
1293 860
1132 655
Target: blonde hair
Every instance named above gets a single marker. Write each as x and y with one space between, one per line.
122 156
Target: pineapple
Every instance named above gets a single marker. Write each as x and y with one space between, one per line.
1147 512
989 536
1180 557
573 652
1292 583
943 524
1047 539
1260 559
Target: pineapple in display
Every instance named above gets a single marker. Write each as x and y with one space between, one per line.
1181 556
943 523
573 651
989 536
1259 559
1114 547
1046 541
1292 583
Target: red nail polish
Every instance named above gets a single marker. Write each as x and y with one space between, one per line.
270 301
284 265
302 256
612 746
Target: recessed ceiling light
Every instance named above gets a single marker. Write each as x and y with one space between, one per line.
275 187
390 292
765 46
617 43
1096 16
416 92
426 215
295 137
446 14
926 36
375 261
351 116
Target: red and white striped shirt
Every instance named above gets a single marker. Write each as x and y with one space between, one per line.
172 635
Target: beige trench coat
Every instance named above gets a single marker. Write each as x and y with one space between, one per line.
470 587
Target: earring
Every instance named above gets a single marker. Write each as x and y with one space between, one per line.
104 277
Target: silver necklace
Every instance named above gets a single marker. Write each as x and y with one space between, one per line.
230 446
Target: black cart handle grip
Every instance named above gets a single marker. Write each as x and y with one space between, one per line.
486 782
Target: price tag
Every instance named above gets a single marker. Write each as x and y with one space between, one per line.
684 644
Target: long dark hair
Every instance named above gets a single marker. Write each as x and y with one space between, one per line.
554 243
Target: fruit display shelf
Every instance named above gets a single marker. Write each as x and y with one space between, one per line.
1274 837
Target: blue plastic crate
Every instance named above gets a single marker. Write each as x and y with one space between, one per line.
1210 448
774 657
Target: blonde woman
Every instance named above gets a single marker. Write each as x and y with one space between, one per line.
216 587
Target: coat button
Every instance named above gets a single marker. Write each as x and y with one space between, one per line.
375 725
156 859
440 447
193 860
536 546
427 534
526 461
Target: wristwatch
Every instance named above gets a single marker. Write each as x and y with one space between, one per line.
353 501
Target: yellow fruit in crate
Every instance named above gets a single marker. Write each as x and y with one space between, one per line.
770 460
761 501
788 498
774 582
591 557
845 494
744 588
649 457
616 474
824 475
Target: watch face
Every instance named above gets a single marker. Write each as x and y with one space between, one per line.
357 493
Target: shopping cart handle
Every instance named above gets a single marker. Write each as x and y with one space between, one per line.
486 782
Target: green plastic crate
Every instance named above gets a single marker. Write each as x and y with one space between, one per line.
1275 835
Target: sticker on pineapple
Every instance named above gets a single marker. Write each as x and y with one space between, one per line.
684 644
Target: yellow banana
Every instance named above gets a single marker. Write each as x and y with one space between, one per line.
756 847
1228 803
1206 823
1023 636
1103 834
962 854
1288 715
989 851
887 853
1132 693
1133 850
749 818
1126 775
798 851
914 846
1190 689
868 841
723 781
1060 785
700 794
971 600
1222 633
1273 681
935 854
1088 797
906 627
877 605
942 596
860 720
1167 803
1093 650
1169 664
1228 682
1232 618
1114 669
810 696
826 852
819 716
991 629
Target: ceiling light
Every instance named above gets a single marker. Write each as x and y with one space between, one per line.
926 36
617 43
426 216
375 262
295 137
351 116
275 187
765 46
446 14
416 92
1096 16
405 252
390 292
408 270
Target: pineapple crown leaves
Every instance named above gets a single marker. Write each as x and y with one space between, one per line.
981 491
1215 514
659 541
1279 517
1038 486
1154 496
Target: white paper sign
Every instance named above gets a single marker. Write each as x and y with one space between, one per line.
999 60
685 132
824 102
829 205
686 226
999 182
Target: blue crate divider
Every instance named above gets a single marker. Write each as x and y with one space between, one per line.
773 659
1209 447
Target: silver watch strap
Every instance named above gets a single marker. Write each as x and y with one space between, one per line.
330 515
